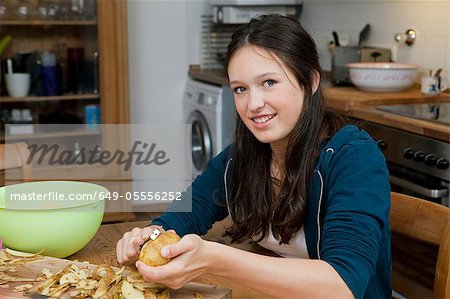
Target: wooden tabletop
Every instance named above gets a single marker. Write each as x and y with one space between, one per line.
418 126
102 249
345 98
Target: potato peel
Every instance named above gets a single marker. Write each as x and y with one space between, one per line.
129 292
22 254
199 296
23 288
104 284
77 282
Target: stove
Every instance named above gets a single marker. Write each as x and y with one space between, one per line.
435 112
418 164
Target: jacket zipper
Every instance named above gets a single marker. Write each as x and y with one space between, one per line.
318 215
226 187
329 153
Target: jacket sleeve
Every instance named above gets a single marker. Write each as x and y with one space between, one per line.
356 219
202 204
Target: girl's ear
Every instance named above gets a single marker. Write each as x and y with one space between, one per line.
315 81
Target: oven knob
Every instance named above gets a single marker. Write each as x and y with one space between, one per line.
419 156
430 160
408 153
442 163
382 144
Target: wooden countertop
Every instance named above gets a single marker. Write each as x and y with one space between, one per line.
421 127
102 249
217 77
345 98
361 104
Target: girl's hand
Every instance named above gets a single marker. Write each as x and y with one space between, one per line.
127 249
192 257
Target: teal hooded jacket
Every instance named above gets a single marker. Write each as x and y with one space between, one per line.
347 221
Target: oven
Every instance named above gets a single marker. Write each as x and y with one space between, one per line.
418 165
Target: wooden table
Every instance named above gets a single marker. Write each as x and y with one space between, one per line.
102 249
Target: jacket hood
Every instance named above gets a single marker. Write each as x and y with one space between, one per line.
338 141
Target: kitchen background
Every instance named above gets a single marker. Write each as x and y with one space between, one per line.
165 38
153 46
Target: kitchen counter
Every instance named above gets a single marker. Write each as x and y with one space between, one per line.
345 98
102 250
360 104
418 126
217 77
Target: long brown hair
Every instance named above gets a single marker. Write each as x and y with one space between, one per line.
253 206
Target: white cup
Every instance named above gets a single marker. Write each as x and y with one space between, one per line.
17 84
431 85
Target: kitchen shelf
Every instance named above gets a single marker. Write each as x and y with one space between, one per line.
48 23
106 32
93 173
52 98
40 135
71 168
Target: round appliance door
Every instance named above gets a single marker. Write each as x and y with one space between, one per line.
201 141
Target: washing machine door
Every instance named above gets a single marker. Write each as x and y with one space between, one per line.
201 141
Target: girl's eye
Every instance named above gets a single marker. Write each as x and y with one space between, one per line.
239 90
269 83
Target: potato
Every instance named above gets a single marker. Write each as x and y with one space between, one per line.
151 251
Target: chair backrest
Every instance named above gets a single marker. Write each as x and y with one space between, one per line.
428 222
14 156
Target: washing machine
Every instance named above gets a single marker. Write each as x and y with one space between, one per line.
209 110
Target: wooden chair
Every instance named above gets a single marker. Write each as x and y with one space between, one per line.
427 222
14 156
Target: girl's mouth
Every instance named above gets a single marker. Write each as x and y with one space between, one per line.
262 121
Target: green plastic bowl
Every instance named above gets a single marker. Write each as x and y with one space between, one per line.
61 222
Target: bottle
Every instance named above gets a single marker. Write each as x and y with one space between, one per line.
95 74
49 75
75 59
92 116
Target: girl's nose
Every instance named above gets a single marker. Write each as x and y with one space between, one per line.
256 101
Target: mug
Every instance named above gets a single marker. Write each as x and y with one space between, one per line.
432 85
17 84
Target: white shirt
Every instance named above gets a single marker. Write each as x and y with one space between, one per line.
295 249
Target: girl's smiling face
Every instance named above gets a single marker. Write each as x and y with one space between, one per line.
267 95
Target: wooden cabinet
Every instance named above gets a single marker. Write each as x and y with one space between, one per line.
107 33
103 31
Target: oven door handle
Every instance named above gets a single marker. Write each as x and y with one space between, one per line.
432 193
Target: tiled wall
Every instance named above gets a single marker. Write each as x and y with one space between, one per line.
429 18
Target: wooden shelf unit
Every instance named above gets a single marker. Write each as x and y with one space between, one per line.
41 135
48 23
108 34
66 97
